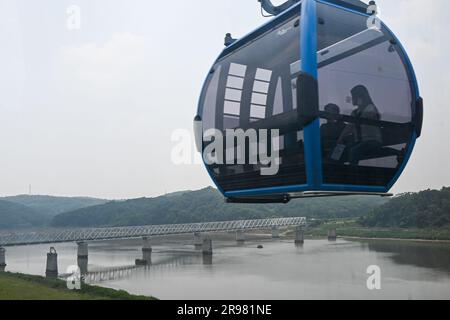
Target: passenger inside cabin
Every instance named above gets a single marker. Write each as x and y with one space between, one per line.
331 130
367 136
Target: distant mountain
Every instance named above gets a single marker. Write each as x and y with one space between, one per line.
51 206
18 216
208 205
426 209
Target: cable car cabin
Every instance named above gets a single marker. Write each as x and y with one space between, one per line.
339 92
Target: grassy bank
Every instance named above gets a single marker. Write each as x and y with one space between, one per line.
350 228
15 286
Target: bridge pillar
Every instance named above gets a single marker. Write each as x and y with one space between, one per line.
240 236
275 233
299 235
146 253
332 235
198 240
2 259
83 250
207 248
82 257
51 270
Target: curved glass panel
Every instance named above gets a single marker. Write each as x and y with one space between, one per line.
365 97
253 89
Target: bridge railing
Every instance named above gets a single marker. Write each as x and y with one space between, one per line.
93 234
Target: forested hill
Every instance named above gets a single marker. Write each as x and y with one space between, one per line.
17 216
426 209
50 206
208 205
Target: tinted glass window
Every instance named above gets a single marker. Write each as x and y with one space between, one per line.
253 88
365 100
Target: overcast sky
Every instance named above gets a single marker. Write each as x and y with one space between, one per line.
91 111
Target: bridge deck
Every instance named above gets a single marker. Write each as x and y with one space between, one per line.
95 234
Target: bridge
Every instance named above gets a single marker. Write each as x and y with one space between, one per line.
83 236
97 234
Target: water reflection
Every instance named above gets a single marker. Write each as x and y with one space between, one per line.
207 259
99 275
421 254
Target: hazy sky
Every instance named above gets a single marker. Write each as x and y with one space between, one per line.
91 111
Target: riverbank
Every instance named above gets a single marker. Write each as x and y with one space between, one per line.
352 230
15 286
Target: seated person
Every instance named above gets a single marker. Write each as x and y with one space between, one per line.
367 138
332 130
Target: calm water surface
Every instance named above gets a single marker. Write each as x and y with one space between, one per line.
317 270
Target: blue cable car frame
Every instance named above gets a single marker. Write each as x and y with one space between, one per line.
312 137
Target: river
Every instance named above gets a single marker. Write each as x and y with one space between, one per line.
280 270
